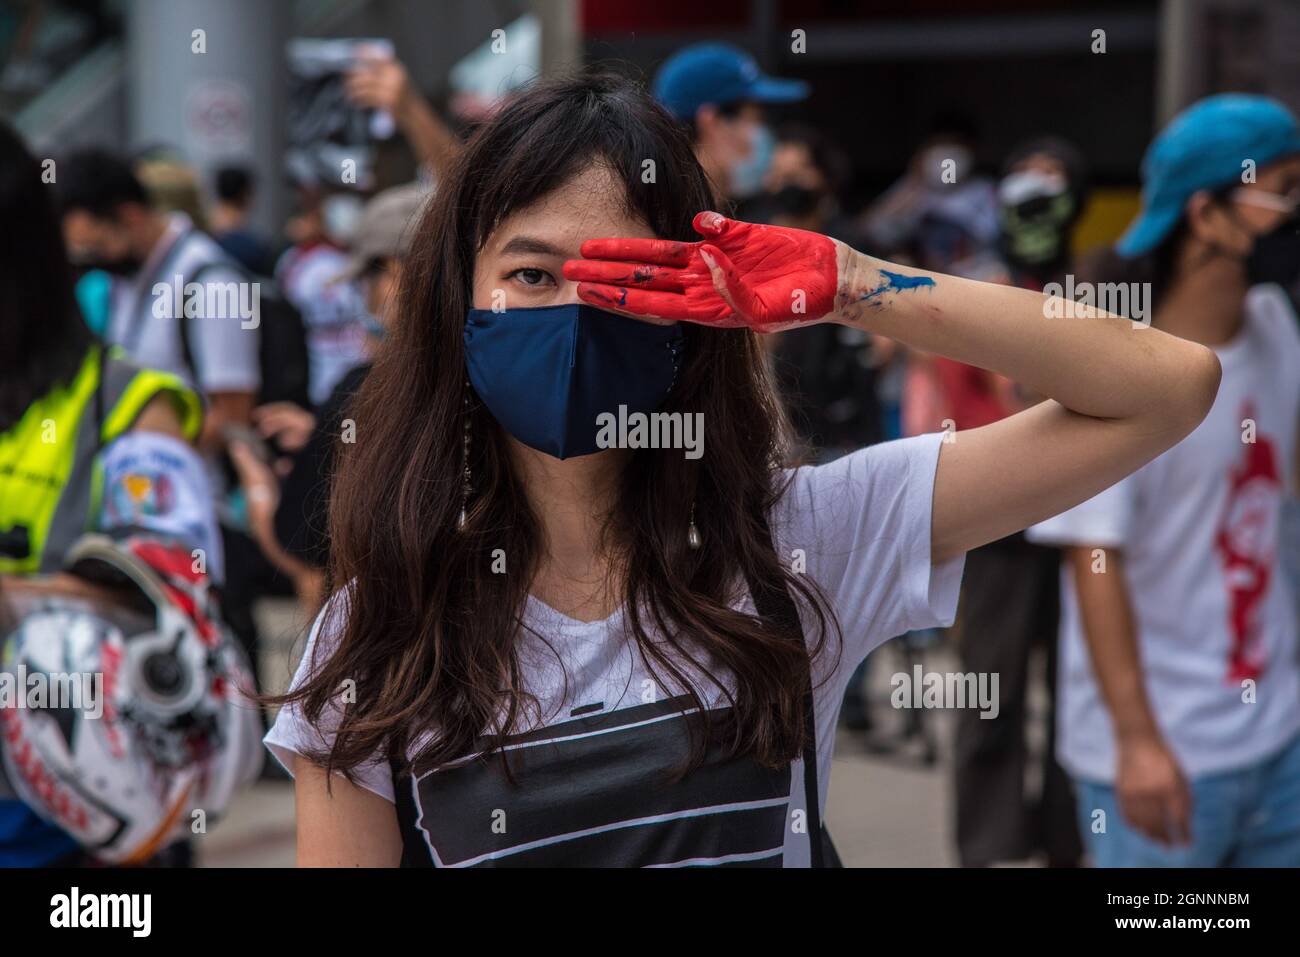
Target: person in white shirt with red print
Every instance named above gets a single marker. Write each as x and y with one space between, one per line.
1180 665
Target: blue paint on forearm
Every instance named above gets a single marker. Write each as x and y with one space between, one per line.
899 281
895 282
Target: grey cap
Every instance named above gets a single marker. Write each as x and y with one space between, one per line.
387 227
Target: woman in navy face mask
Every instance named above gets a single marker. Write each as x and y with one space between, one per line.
583 615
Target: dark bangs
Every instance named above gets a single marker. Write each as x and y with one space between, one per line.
534 146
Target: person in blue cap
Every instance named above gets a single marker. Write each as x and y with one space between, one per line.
1180 662
718 91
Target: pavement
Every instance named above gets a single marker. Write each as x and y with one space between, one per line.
886 808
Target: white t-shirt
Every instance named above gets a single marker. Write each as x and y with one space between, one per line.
1198 528
861 523
224 351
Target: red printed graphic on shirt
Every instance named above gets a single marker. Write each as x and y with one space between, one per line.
1246 543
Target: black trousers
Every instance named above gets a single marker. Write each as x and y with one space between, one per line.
249 576
1010 606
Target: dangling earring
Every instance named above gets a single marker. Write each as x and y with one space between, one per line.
464 459
692 533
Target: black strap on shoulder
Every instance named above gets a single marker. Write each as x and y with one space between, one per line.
414 851
131 335
183 323
776 604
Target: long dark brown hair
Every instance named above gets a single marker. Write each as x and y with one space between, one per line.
45 339
427 631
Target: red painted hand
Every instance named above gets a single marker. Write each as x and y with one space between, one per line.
742 274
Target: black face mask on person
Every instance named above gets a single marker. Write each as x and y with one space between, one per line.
794 200
1275 256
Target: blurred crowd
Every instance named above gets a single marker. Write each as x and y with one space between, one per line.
276 393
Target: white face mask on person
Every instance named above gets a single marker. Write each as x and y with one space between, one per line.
747 174
341 216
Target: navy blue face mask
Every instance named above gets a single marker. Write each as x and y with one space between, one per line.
547 373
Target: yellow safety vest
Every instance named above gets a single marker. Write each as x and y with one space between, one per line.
50 476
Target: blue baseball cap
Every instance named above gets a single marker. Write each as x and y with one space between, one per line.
1205 147
718 73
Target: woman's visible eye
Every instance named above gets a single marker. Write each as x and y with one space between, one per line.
531 277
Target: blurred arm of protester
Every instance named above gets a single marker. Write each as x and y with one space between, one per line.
1150 787
889 221
224 408
288 425
381 82
262 495
1152 790
943 208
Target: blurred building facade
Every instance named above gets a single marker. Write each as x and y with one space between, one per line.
126 73
144 78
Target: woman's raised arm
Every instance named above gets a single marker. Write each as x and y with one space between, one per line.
1120 392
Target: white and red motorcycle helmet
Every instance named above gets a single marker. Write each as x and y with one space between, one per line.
170 730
